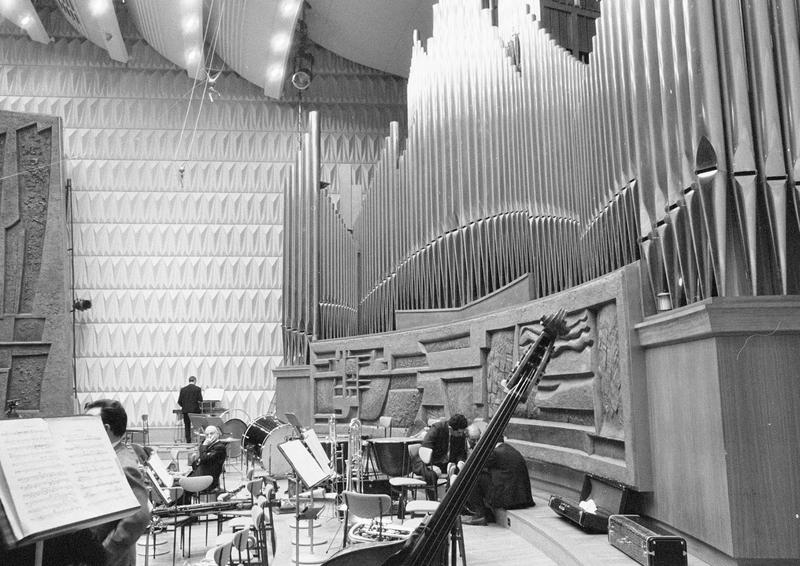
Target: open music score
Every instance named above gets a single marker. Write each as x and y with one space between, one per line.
67 460
304 463
315 447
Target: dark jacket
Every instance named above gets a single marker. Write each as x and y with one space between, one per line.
189 398
119 537
210 462
445 448
510 486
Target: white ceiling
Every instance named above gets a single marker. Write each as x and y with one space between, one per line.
375 33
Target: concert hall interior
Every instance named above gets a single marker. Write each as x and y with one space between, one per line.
297 246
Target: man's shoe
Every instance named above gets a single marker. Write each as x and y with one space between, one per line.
476 520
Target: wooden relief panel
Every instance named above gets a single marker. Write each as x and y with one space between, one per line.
35 334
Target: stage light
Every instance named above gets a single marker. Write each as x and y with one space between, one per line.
81 304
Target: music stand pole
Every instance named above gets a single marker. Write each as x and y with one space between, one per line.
296 519
38 553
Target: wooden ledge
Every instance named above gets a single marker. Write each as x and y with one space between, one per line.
722 316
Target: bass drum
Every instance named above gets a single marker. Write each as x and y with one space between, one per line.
261 440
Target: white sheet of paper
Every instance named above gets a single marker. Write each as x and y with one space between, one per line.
315 446
303 463
67 460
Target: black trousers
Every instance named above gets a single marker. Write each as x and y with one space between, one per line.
187 428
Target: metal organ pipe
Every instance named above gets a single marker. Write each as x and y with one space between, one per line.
678 144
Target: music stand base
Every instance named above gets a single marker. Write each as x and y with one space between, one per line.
309 558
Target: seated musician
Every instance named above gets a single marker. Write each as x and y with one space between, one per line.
444 444
502 484
209 461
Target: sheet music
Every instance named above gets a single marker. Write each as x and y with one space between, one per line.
69 461
157 465
99 478
31 473
315 446
304 463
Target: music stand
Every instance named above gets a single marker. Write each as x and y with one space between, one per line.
309 473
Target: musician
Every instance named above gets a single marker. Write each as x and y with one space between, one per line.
189 399
444 443
210 458
119 537
502 484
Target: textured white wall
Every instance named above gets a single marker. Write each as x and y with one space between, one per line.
184 278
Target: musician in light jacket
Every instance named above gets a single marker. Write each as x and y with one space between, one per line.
119 537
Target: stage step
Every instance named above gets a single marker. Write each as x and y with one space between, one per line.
564 542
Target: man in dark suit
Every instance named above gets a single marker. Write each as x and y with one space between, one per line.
189 400
209 461
119 537
210 457
502 484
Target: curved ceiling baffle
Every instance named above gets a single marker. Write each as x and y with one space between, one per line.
23 15
254 38
97 21
377 33
174 29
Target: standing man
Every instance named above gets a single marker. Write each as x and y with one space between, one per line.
189 399
119 537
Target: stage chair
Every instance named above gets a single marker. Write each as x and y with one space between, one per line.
410 483
241 542
222 554
365 506
193 485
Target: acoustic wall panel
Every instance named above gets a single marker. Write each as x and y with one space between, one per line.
178 206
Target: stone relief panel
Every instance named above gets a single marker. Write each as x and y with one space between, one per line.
609 379
35 331
565 393
499 362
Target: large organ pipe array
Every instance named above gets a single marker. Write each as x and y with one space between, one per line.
678 144
316 241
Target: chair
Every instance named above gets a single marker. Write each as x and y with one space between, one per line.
193 485
411 482
222 554
262 498
386 424
366 506
240 542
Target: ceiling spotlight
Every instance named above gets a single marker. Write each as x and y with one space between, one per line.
302 78
81 304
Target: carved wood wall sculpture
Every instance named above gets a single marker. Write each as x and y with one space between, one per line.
35 327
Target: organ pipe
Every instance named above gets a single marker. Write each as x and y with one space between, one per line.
677 144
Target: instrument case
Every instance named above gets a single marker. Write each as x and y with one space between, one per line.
645 542
610 497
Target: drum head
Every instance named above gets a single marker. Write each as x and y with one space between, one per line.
262 437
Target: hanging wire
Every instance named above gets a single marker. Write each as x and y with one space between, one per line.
208 62
182 168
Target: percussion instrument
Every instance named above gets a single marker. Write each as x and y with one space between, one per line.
261 439
391 454
233 430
